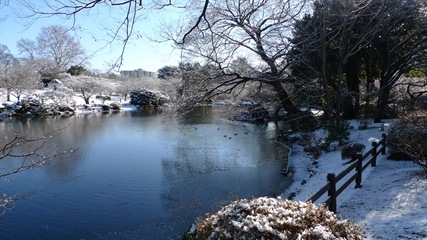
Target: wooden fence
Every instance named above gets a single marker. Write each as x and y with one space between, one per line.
358 164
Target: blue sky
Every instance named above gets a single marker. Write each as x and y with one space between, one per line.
90 31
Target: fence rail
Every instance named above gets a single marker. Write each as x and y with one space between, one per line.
331 187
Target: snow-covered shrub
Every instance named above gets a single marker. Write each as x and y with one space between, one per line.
115 106
273 218
364 124
60 97
407 139
312 144
144 98
401 136
350 150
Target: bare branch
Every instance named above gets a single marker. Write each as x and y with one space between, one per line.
122 33
196 25
28 152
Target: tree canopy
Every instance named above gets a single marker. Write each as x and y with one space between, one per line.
342 46
55 43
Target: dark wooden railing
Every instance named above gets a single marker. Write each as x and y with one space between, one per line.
358 164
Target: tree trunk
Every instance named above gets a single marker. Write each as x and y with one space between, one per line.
381 106
325 81
286 102
382 102
369 86
298 120
351 100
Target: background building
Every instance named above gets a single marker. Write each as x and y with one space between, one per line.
138 73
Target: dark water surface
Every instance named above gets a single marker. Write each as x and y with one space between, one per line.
137 175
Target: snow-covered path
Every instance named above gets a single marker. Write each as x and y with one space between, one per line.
391 203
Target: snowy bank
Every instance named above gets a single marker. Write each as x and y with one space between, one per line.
48 102
392 203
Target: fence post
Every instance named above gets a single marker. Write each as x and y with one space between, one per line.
332 192
385 143
359 171
374 154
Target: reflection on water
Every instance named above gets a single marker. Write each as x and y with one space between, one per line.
138 176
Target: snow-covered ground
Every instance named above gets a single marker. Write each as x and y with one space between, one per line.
392 203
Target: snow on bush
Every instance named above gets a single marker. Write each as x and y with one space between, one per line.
406 139
144 98
273 218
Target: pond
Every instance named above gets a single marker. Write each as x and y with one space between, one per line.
139 175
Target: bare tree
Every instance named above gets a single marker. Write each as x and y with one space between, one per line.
122 29
22 78
52 53
55 43
48 69
85 86
27 48
7 61
258 30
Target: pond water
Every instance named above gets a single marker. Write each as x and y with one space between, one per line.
138 175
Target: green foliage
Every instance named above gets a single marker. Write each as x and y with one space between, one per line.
415 73
326 49
337 133
168 72
103 98
272 218
76 70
